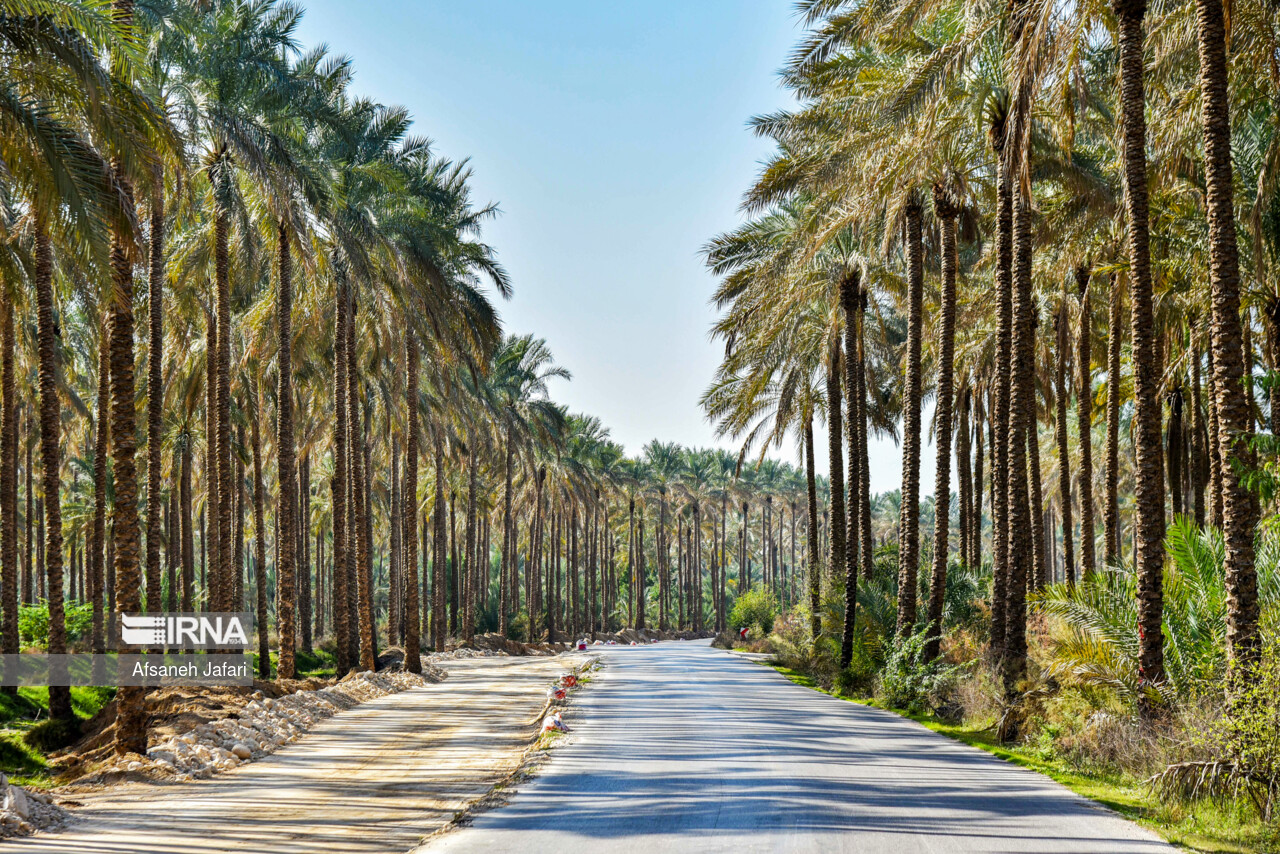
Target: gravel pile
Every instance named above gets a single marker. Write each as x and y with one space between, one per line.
23 813
261 727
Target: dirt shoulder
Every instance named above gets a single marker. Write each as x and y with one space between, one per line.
378 777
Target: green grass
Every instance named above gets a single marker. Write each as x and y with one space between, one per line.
318 663
26 765
1202 827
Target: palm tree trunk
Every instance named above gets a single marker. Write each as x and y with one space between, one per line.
1020 556
503 604
358 575
220 522
1035 487
453 573
396 520
1084 413
9 482
975 522
1064 456
835 453
1149 515
50 427
438 617
339 483
1239 513
852 521
1199 450
259 536
1111 520
945 208
909 524
1000 423
26 575
305 601
473 554
964 471
412 640
237 547
155 394
286 570
815 593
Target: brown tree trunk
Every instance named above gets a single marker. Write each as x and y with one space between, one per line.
286 569
412 639
835 453
1019 559
945 208
47 335
1111 520
220 520
1084 414
1000 422
187 521
850 284
975 522
358 564
341 447
504 605
439 621
304 521
815 593
9 481
155 394
1064 456
1239 513
259 536
1199 449
1149 515
909 524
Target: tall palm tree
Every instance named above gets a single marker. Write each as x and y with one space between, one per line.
1232 395
1149 516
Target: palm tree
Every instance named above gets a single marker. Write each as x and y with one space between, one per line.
517 386
1232 397
909 524
1149 518
946 210
1084 408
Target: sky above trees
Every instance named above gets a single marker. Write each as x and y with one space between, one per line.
613 136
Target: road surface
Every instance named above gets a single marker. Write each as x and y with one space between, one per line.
678 747
376 778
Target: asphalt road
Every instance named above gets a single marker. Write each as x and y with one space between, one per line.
678 747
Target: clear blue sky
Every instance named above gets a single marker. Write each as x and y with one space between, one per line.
613 135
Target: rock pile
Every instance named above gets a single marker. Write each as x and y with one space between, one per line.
260 727
23 812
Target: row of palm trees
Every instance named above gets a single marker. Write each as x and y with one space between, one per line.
248 323
960 191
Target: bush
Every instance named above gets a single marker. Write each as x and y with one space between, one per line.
33 623
52 734
1242 747
756 610
911 682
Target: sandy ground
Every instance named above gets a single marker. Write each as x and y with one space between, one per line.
376 778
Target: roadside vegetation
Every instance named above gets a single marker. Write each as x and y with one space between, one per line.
1043 237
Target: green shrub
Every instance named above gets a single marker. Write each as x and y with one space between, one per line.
52 734
1242 747
757 609
912 682
33 623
